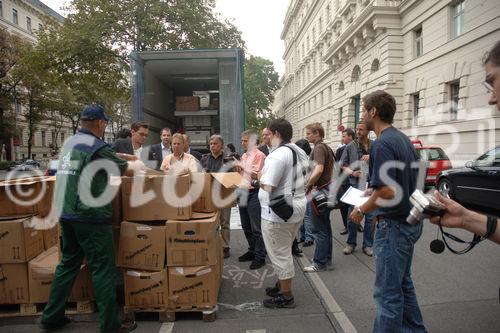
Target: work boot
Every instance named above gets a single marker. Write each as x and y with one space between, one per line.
249 256
257 263
279 301
54 326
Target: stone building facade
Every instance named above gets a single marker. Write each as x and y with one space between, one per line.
426 53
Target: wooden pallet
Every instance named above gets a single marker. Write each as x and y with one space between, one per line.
169 315
36 309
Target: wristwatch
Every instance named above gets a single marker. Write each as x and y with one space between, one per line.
359 211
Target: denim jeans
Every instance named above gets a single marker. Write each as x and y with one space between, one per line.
367 231
322 238
395 298
306 229
251 225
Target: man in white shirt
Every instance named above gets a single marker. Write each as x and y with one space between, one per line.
281 178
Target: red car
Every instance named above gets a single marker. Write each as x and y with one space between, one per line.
436 159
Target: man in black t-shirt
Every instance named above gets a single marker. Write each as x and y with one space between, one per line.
393 177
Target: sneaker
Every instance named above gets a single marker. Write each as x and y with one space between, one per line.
127 326
272 291
296 251
344 232
256 264
279 301
348 249
368 251
314 268
307 243
54 326
226 253
360 228
249 256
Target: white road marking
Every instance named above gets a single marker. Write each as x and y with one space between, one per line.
330 302
166 328
255 331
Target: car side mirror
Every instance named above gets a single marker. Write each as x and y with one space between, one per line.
470 164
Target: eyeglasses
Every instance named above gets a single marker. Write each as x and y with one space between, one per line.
488 86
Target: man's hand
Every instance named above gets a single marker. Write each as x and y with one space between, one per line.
454 215
356 216
365 158
127 157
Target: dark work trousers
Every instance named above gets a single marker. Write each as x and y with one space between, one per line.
250 222
94 242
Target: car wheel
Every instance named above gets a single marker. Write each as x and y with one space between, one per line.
444 187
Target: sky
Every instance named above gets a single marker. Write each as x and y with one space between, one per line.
260 22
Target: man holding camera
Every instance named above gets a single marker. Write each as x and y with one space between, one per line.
393 177
251 164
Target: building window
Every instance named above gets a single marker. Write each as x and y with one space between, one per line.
40 27
419 43
44 142
416 107
341 85
340 116
15 18
28 24
357 108
328 129
454 90
375 66
458 18
62 138
356 74
1 9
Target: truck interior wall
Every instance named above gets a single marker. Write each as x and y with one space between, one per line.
230 119
158 99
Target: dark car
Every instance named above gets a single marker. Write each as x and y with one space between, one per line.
477 185
436 160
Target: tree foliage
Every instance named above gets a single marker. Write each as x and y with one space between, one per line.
261 81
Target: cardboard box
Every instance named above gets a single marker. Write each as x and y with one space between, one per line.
214 191
141 246
193 287
41 272
50 237
193 242
175 204
187 103
14 284
18 241
26 196
146 289
116 203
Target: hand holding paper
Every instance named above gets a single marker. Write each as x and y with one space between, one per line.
354 197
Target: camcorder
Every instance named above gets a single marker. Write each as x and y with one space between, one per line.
424 206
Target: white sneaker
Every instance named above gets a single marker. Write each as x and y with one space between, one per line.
368 251
313 269
348 249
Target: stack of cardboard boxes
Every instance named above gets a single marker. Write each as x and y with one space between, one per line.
29 241
171 249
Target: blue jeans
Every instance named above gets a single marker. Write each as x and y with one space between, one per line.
367 230
306 229
322 238
394 295
251 225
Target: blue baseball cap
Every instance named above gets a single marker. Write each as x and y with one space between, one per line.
93 112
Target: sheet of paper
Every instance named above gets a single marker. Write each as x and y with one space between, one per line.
354 197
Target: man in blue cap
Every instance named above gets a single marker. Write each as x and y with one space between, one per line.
85 217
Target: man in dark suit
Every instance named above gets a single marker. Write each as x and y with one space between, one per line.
187 148
132 148
265 147
159 151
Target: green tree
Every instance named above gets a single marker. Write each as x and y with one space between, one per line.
261 81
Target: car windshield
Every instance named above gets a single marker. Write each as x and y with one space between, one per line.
490 158
432 154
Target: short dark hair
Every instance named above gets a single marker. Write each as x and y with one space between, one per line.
166 129
316 127
283 127
349 132
138 124
123 133
493 55
304 145
383 102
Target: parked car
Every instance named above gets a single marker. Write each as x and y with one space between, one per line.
52 168
477 185
435 157
26 165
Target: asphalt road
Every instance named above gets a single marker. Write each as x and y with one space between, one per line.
456 294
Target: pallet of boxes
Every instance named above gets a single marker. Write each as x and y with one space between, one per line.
170 242
29 241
